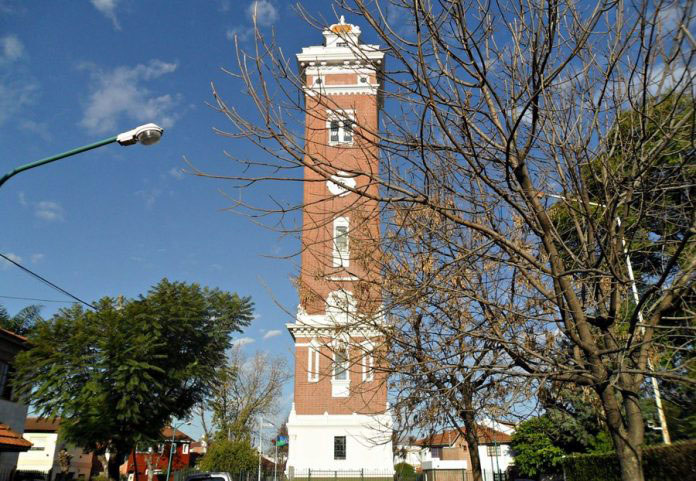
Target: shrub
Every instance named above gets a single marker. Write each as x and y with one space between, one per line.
229 456
660 463
404 472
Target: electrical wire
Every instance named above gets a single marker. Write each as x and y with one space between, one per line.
47 282
34 299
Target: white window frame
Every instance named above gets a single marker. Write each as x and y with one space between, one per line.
341 348
341 258
313 355
342 117
340 387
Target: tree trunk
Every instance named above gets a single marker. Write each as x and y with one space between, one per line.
471 435
626 441
113 465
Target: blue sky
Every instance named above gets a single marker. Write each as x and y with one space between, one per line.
118 219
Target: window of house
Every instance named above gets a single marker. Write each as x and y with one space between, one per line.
340 369
339 447
184 448
341 126
341 254
493 450
313 363
364 79
436 452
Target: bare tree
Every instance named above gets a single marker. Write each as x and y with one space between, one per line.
557 139
247 388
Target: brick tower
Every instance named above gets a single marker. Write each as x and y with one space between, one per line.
339 419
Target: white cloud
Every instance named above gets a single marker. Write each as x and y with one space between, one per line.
178 174
49 210
272 333
5 264
243 341
16 92
265 12
122 92
108 9
22 199
11 48
36 258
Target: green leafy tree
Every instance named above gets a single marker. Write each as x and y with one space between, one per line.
232 456
22 322
535 452
118 375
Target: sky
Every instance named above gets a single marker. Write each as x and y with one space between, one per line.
116 220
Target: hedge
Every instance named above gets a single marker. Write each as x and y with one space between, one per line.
660 463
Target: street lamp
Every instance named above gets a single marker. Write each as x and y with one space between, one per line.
147 134
171 444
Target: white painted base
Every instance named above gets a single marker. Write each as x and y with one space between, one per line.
311 444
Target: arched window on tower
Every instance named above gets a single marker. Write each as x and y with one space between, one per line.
313 361
341 242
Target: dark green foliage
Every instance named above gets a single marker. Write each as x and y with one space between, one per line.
230 456
118 375
22 322
660 463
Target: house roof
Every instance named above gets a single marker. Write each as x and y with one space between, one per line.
486 435
180 435
12 441
13 335
42 425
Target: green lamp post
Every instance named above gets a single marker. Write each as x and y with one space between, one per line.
147 134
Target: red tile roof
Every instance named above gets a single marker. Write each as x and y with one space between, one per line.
181 436
486 435
12 441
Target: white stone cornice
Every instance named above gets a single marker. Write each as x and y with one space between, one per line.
355 89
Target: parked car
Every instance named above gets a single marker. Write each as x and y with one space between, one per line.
209 477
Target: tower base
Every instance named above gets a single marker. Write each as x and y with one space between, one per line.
312 450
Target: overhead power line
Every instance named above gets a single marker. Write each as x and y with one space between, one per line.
47 282
34 299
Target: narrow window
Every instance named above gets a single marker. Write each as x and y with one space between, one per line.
334 131
339 447
341 364
348 131
341 250
368 367
313 364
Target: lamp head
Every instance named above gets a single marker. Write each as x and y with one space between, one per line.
147 134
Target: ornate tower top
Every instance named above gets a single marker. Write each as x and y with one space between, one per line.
341 44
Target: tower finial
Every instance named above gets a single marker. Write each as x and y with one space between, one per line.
343 20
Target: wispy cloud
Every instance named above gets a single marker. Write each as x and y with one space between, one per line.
177 173
123 92
265 12
150 196
272 333
49 210
5 264
41 129
17 87
108 9
11 49
243 341
36 258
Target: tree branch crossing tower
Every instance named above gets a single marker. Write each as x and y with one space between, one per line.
340 418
